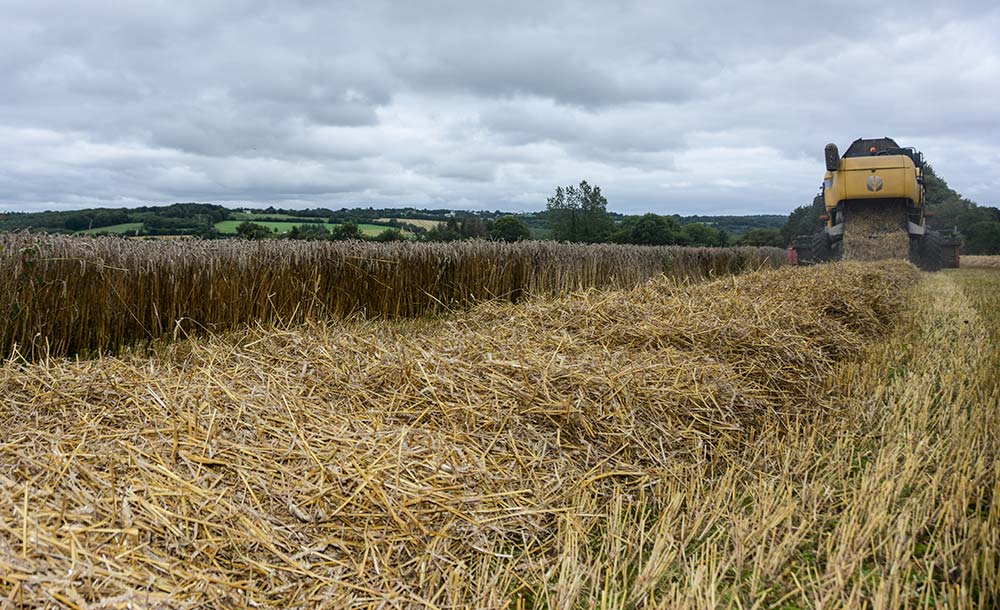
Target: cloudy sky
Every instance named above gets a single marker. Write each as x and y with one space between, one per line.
671 107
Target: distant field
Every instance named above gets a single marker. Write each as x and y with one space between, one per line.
367 229
423 224
229 226
127 227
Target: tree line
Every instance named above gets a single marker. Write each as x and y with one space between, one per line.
574 213
580 214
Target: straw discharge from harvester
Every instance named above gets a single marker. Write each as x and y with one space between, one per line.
875 209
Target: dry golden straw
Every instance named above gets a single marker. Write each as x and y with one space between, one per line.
760 438
875 231
66 295
986 262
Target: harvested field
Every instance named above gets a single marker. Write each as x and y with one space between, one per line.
985 262
67 295
423 224
875 231
700 446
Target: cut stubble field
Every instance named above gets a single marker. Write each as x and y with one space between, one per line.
416 222
119 229
819 437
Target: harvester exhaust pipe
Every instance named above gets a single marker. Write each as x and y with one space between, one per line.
832 157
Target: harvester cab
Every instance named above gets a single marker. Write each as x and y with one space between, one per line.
875 207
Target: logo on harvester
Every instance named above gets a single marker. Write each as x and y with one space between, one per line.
875 183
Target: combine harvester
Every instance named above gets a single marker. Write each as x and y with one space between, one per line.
875 210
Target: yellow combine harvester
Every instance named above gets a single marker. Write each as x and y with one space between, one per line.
875 208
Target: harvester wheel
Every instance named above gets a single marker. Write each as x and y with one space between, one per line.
803 250
929 252
821 247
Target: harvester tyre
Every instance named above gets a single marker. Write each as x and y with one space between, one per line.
821 247
804 252
929 252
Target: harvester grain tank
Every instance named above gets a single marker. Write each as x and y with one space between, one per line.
875 208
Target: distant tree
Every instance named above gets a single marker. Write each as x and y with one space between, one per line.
471 227
309 232
347 230
252 230
563 214
509 228
804 220
579 214
982 238
936 190
649 229
444 231
206 232
699 234
392 234
189 211
95 219
78 222
762 237
978 226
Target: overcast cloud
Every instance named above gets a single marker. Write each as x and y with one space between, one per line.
671 107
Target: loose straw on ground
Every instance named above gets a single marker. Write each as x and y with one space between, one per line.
982 262
447 463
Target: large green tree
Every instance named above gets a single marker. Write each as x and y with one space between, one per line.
700 234
762 237
471 226
445 231
252 230
978 226
509 228
579 214
804 220
649 229
391 234
346 231
309 231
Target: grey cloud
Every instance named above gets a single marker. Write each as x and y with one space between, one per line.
672 107
624 130
498 70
